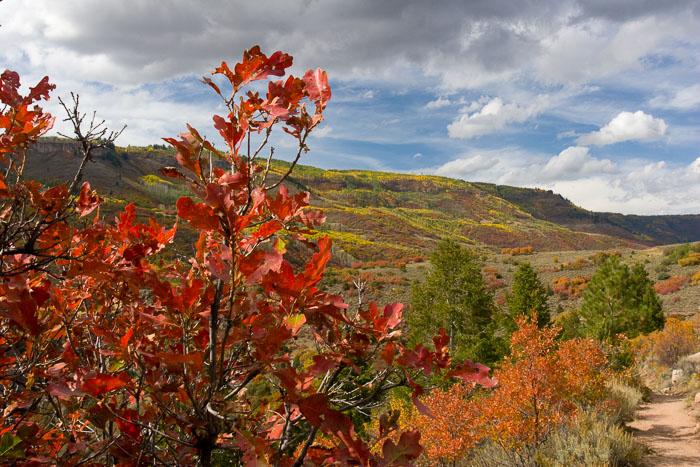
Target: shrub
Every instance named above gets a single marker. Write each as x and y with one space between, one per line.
695 278
591 439
674 254
523 250
566 288
579 263
109 356
452 429
541 384
670 285
602 256
691 260
492 278
668 345
624 400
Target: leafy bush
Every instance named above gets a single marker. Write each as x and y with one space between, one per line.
670 285
668 345
111 357
696 277
601 257
691 260
566 288
674 254
523 250
541 384
579 263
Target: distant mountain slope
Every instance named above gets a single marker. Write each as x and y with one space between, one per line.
383 216
649 230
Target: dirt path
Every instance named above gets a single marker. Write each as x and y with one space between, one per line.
668 428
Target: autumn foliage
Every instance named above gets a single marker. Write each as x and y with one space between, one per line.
517 251
109 355
542 386
666 346
670 285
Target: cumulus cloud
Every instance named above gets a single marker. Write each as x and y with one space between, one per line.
491 117
572 163
465 167
626 126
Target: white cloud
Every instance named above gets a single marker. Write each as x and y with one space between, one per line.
572 163
491 117
575 161
632 186
635 187
686 98
466 167
626 126
582 50
148 113
438 103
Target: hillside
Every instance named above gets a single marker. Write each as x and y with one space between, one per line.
378 215
648 230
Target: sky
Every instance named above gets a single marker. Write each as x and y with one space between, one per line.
598 100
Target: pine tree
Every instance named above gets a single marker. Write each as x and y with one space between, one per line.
620 300
453 297
528 295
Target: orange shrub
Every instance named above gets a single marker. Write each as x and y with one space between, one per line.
566 288
453 427
666 346
541 386
670 285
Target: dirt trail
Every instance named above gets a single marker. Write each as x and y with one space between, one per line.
668 428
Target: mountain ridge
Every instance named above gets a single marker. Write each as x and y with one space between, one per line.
383 215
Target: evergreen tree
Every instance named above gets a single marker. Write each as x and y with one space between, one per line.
527 295
453 297
620 300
